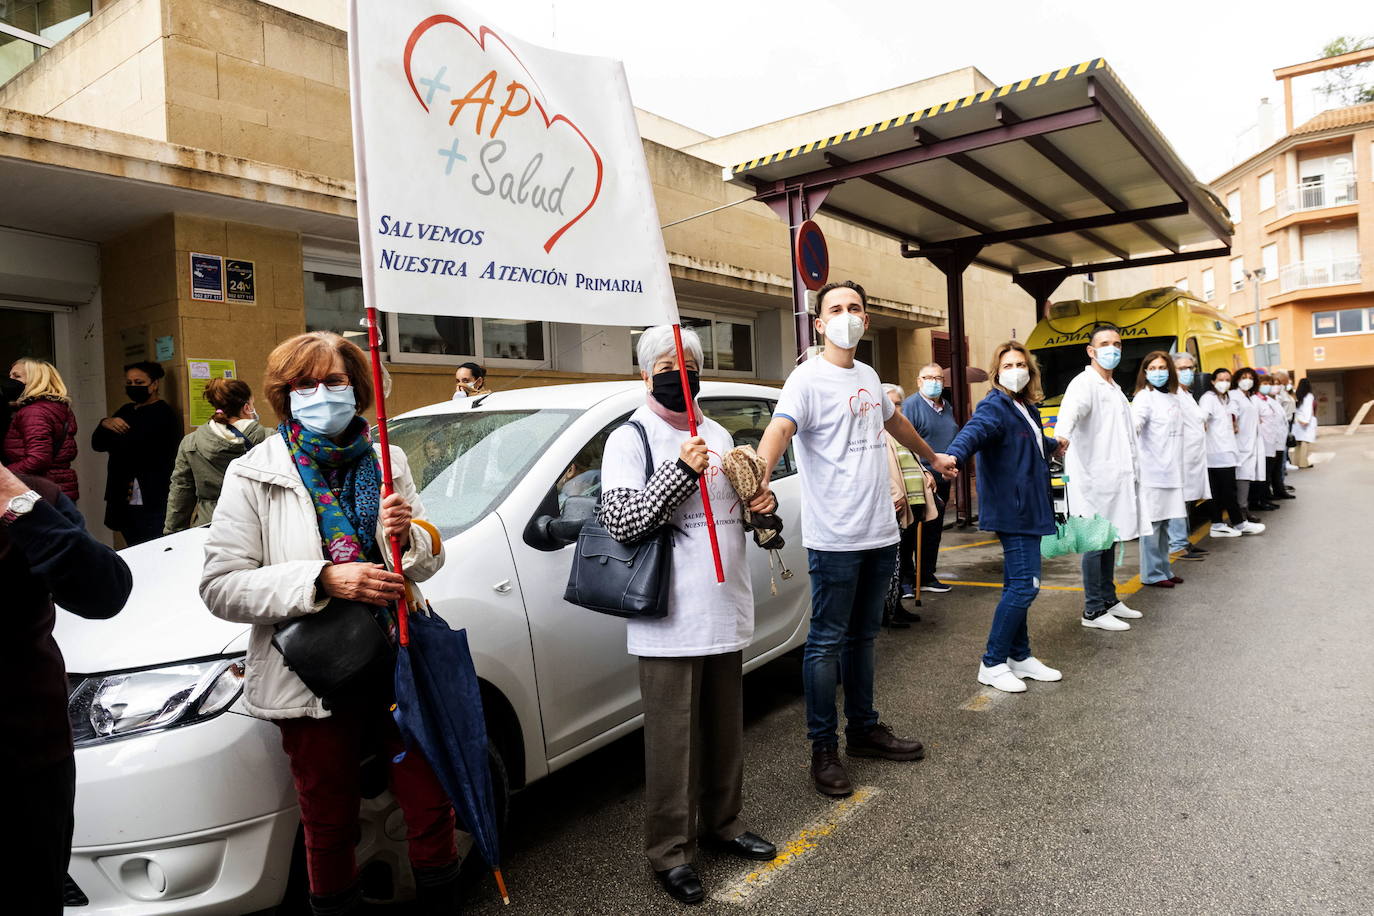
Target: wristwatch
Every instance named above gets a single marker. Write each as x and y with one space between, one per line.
20 505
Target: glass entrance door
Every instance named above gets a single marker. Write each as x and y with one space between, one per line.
26 333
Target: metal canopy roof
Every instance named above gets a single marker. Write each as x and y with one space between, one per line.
1058 174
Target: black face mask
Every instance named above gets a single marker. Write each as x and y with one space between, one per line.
11 389
137 393
668 389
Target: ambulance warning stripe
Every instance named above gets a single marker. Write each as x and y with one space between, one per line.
977 98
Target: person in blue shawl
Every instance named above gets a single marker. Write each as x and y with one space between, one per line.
1014 503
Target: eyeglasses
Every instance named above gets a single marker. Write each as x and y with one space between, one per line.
307 385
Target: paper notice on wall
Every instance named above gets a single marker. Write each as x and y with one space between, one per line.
497 178
199 372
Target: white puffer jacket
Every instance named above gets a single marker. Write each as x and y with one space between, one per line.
262 559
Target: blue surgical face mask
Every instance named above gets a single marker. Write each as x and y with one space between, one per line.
1108 357
1157 377
932 388
325 413
1185 378
1265 389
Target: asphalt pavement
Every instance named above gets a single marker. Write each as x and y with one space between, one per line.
1216 758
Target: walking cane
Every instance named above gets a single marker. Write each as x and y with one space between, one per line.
920 530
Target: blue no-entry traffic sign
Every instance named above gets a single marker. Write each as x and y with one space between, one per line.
813 257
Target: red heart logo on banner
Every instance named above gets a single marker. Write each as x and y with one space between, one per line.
481 39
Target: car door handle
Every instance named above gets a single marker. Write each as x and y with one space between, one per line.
502 587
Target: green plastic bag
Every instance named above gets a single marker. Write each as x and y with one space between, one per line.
1076 534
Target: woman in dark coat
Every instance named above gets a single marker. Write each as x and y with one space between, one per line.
41 439
141 440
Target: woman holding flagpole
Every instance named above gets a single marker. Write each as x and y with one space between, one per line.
691 660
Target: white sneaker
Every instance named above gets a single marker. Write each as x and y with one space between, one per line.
1120 610
1105 622
1224 531
1000 678
1292 466
1034 669
1250 528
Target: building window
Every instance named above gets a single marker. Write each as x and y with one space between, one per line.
1181 283
334 302
1237 274
1247 335
1233 205
1345 321
1271 330
27 29
1209 285
1269 260
1089 288
1266 190
727 342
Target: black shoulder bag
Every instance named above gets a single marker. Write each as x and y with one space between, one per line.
623 580
337 652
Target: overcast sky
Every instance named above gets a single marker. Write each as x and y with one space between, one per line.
1198 68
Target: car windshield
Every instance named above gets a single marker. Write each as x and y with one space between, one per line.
466 463
1059 365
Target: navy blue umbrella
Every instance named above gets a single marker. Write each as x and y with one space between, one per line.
439 711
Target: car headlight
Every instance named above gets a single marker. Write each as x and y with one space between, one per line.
108 706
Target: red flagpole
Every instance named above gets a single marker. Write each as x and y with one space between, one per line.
692 429
374 349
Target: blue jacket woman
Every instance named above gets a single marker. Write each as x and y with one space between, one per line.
1014 503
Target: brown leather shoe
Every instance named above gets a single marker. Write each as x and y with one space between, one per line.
828 773
879 741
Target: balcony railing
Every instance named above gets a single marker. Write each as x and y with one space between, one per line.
1306 274
1326 193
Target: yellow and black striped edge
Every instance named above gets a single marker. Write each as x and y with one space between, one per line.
975 99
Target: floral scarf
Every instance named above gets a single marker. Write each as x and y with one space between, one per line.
345 486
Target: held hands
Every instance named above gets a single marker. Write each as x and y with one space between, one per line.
115 425
371 583
693 454
1063 446
945 466
764 501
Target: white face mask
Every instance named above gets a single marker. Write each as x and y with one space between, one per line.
845 331
1013 379
1222 386
1246 384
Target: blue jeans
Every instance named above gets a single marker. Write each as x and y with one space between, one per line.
1009 637
847 592
1099 591
1178 534
1154 554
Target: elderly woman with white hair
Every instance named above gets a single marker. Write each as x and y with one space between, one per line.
691 660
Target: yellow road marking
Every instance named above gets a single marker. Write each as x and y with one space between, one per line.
973 544
752 882
1057 588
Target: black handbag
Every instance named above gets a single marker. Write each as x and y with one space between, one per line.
623 580
338 651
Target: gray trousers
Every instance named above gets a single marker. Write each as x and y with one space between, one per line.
693 753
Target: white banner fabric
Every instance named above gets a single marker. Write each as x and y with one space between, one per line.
497 178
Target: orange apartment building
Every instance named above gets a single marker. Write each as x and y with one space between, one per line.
1304 215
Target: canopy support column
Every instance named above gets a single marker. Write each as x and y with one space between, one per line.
952 265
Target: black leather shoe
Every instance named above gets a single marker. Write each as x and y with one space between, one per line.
902 615
892 623
1283 496
1267 507
747 846
682 884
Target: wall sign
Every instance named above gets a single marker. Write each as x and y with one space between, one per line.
198 373
207 277
164 348
239 281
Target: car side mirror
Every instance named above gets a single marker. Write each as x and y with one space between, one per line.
552 529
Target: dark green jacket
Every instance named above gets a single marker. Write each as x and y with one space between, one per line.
202 459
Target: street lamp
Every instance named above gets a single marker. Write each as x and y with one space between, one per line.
1262 354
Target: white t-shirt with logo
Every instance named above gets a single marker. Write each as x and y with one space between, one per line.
846 503
704 617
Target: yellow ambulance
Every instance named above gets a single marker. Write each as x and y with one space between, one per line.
1167 319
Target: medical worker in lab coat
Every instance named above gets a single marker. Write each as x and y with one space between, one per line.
1159 431
1251 490
1195 483
1103 468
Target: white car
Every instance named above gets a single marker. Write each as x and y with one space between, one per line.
184 804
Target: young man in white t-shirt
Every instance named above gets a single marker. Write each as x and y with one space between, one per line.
836 409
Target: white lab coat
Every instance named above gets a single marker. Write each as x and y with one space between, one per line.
1249 446
1196 484
1159 431
1219 416
1102 460
1273 426
1305 420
